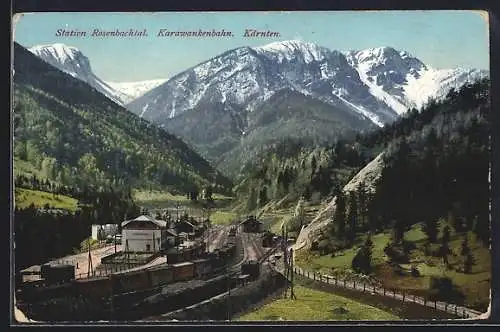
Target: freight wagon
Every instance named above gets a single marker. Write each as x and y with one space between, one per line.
251 268
57 273
183 271
202 267
161 275
138 281
93 288
130 281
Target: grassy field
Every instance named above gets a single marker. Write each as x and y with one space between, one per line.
25 197
316 305
475 285
163 199
155 196
223 217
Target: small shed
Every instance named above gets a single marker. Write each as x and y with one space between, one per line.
252 225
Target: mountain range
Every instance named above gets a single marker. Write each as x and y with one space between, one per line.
234 103
378 83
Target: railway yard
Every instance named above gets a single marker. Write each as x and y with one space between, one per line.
217 261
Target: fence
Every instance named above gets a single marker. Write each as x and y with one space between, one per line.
103 272
453 309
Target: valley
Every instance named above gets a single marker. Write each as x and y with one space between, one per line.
372 165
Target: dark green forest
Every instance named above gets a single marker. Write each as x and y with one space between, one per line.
41 234
77 136
436 163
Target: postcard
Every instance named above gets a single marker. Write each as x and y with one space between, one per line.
250 167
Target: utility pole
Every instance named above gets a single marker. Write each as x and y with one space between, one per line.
90 267
228 293
290 274
127 253
285 260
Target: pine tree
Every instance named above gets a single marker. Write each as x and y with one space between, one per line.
444 250
398 230
468 263
352 216
431 230
465 250
339 215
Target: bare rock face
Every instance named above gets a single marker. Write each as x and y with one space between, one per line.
368 175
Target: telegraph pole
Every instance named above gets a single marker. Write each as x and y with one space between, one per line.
90 267
292 294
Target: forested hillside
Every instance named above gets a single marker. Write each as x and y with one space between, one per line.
436 163
427 217
232 137
77 136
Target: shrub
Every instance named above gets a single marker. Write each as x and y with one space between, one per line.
414 271
396 253
443 289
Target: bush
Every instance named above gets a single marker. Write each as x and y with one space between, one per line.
397 269
396 253
443 289
414 271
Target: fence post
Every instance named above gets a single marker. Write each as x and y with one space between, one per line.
327 280
374 288
384 290
456 310
364 287
314 275
403 296
465 316
446 307
354 283
335 280
435 304
394 293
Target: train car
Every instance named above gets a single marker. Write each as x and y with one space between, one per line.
124 282
94 288
251 268
183 271
57 273
202 267
161 275
188 254
174 256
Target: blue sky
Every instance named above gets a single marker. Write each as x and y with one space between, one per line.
441 39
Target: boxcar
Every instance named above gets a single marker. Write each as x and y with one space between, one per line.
93 288
174 257
187 254
161 275
130 281
183 271
202 267
251 268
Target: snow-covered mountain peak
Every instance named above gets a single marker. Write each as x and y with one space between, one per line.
59 50
385 58
289 49
67 58
72 61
